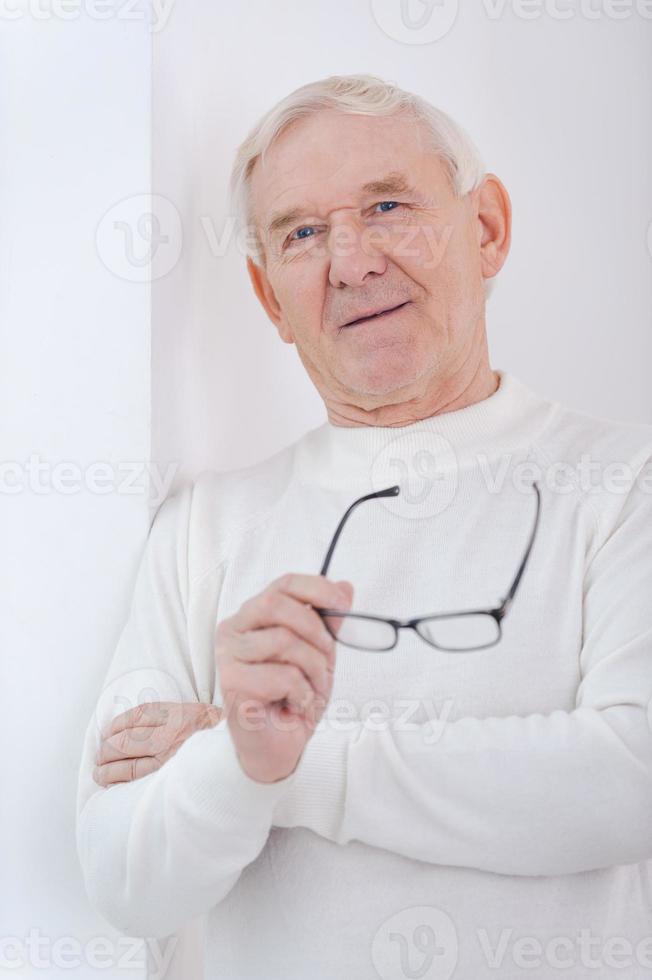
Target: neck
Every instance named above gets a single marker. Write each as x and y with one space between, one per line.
457 390
375 456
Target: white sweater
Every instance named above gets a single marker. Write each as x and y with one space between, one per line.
466 815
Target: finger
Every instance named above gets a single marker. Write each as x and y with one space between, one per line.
125 770
280 609
343 597
150 713
308 590
267 683
317 590
277 644
309 714
183 719
170 714
135 742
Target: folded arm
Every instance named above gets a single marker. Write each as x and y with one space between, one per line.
160 850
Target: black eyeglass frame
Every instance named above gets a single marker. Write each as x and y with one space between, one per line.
498 613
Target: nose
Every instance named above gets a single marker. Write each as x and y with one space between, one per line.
352 256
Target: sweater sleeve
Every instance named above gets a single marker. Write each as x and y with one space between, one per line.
158 851
551 794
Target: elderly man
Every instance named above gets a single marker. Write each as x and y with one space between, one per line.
434 760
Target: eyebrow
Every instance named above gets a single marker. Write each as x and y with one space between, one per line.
392 183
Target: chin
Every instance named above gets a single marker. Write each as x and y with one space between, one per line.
385 377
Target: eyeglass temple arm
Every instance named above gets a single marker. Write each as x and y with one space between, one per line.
389 492
512 592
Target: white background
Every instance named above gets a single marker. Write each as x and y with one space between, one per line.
93 371
75 388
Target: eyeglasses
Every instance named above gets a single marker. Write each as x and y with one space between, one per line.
469 629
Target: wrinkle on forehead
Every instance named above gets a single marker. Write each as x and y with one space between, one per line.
280 177
393 184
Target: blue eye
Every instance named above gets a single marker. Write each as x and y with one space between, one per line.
301 237
298 236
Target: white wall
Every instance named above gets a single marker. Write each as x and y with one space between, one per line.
74 388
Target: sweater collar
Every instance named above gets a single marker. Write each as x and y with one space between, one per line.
374 456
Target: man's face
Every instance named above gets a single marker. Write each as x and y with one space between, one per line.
356 214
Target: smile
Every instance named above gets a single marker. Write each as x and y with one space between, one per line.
376 316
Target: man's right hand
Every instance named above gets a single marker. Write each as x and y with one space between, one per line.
276 662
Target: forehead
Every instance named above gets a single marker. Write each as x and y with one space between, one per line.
321 162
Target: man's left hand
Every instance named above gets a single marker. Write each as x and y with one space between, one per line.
141 739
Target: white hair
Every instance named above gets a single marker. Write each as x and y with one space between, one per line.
362 95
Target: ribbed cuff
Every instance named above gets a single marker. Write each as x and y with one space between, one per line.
316 798
208 771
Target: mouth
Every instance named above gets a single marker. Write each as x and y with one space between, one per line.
380 315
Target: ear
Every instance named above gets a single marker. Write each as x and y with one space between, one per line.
265 293
495 225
